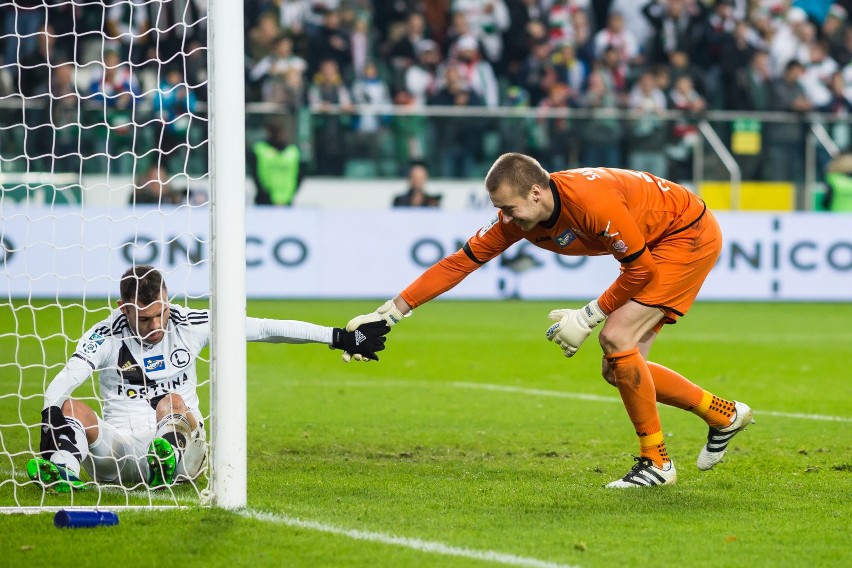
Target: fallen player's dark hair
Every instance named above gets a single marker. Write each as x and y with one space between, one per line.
141 284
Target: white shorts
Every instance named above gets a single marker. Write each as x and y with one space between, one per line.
119 455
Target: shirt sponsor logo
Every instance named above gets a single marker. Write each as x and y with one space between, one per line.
180 358
150 391
619 246
490 224
153 364
96 337
566 238
93 342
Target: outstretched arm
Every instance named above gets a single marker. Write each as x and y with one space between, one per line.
365 340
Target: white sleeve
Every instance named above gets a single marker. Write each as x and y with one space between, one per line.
75 372
286 331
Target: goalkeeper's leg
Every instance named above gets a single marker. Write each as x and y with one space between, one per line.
65 439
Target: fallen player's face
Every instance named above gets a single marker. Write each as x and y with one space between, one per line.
148 322
525 212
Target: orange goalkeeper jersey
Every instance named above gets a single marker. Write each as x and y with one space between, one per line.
597 211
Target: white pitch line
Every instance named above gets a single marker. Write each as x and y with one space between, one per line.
552 394
430 547
597 398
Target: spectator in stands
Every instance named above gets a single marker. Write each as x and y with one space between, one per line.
292 14
559 18
685 98
648 135
361 41
129 23
613 72
175 105
674 25
476 71
262 37
370 126
458 137
707 52
274 164
331 43
271 71
817 74
583 38
517 39
785 140
288 92
328 97
487 20
560 149
59 123
537 72
23 20
736 53
568 67
838 178
421 78
601 137
33 70
790 40
618 38
117 92
403 52
416 196
114 80
176 30
151 188
833 31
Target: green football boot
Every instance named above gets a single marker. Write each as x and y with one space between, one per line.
54 476
162 463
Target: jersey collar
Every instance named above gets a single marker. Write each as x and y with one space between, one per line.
557 207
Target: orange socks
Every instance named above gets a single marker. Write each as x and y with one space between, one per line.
675 390
636 387
716 412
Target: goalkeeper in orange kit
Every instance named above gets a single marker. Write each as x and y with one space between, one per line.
666 242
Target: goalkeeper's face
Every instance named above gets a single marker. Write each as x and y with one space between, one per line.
148 322
525 211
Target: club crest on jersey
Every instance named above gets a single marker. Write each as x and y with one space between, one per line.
180 358
154 364
490 224
566 238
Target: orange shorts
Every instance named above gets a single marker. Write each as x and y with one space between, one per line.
684 260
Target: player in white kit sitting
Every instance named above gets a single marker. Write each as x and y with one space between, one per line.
145 353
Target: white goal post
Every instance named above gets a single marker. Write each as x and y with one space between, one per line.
228 254
84 122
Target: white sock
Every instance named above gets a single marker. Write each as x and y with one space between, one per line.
67 460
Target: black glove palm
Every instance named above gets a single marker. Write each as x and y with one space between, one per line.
366 340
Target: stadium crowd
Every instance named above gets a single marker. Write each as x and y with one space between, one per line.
315 61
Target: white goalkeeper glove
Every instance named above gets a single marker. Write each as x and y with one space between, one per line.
387 312
574 326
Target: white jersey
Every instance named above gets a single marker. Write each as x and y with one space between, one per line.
132 373
133 377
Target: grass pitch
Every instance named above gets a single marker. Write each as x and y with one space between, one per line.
474 441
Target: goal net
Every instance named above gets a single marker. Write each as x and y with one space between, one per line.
110 157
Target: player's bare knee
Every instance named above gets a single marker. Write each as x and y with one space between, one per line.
172 403
615 340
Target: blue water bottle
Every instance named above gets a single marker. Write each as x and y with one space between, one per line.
80 518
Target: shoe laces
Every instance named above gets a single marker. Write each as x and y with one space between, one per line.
641 463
